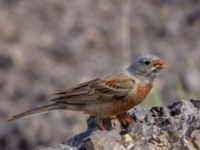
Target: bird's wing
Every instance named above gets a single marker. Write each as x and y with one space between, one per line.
91 92
97 91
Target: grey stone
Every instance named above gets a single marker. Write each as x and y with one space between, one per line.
161 128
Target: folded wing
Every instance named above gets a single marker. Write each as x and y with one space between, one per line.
97 91
91 92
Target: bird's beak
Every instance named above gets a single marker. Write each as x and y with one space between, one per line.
160 64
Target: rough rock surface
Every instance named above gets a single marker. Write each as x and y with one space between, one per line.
174 127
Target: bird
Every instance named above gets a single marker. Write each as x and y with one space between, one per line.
110 96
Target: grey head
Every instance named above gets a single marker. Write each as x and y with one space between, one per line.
147 67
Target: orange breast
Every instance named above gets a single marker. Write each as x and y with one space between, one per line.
137 96
141 92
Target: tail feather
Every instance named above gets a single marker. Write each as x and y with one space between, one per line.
42 109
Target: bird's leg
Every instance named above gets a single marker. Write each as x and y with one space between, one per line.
104 123
125 120
107 124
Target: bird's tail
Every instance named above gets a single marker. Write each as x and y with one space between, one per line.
39 110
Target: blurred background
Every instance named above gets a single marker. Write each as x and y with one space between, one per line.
50 45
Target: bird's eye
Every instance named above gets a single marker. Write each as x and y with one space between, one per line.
146 62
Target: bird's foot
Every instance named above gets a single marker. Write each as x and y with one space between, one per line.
105 123
108 123
125 121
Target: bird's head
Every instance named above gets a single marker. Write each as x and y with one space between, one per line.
147 67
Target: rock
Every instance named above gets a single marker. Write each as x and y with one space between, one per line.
160 128
61 147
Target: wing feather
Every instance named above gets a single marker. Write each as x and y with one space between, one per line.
97 91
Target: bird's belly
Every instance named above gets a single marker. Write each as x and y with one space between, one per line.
112 108
108 109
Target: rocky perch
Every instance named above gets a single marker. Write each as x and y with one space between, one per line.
176 127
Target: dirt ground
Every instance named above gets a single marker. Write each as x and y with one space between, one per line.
50 45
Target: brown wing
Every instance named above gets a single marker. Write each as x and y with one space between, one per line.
94 91
97 91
